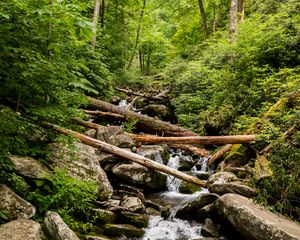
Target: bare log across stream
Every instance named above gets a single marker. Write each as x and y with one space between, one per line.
146 123
129 156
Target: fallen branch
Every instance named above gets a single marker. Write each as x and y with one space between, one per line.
158 97
144 122
192 149
104 114
129 156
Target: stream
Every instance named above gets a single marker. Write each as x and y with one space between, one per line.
173 228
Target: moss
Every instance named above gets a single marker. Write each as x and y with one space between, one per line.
137 220
128 230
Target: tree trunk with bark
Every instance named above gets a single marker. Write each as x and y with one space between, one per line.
130 156
203 18
146 123
233 20
95 22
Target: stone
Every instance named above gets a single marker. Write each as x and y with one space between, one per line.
22 229
81 164
158 110
253 221
152 211
135 173
116 136
208 211
141 102
103 216
232 187
96 238
221 177
15 206
91 133
137 220
133 204
210 229
127 230
29 167
189 209
188 188
155 152
56 228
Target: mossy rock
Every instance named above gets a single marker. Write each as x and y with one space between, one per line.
117 230
188 188
137 220
104 216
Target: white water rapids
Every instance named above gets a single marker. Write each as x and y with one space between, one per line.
174 228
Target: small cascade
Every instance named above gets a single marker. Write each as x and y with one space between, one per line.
123 103
174 228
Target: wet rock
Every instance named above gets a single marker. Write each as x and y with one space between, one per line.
185 165
137 174
116 136
21 229
152 211
15 206
133 204
96 238
82 164
253 221
141 102
137 220
29 167
103 216
155 152
188 188
127 230
189 209
232 187
221 177
106 158
208 211
210 229
202 175
161 111
56 228
115 99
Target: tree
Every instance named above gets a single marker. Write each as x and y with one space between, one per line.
203 18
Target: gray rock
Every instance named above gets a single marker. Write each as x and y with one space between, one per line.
155 152
138 174
123 229
253 221
15 206
161 111
208 211
116 136
29 167
189 209
133 204
188 188
232 187
91 133
56 228
210 229
137 220
96 238
141 102
22 229
82 164
221 177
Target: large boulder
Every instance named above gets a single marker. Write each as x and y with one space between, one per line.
133 204
138 174
155 152
116 136
157 110
189 209
101 216
135 219
56 228
15 206
29 167
221 177
22 229
82 164
253 221
232 187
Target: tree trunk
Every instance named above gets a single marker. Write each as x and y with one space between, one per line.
233 20
130 156
214 24
241 10
203 18
146 123
104 114
206 140
137 35
102 13
95 22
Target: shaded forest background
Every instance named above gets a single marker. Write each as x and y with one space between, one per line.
226 66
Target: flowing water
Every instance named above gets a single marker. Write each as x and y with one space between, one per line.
174 228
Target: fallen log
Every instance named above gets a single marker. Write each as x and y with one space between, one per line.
157 97
146 123
129 156
205 140
104 114
192 149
